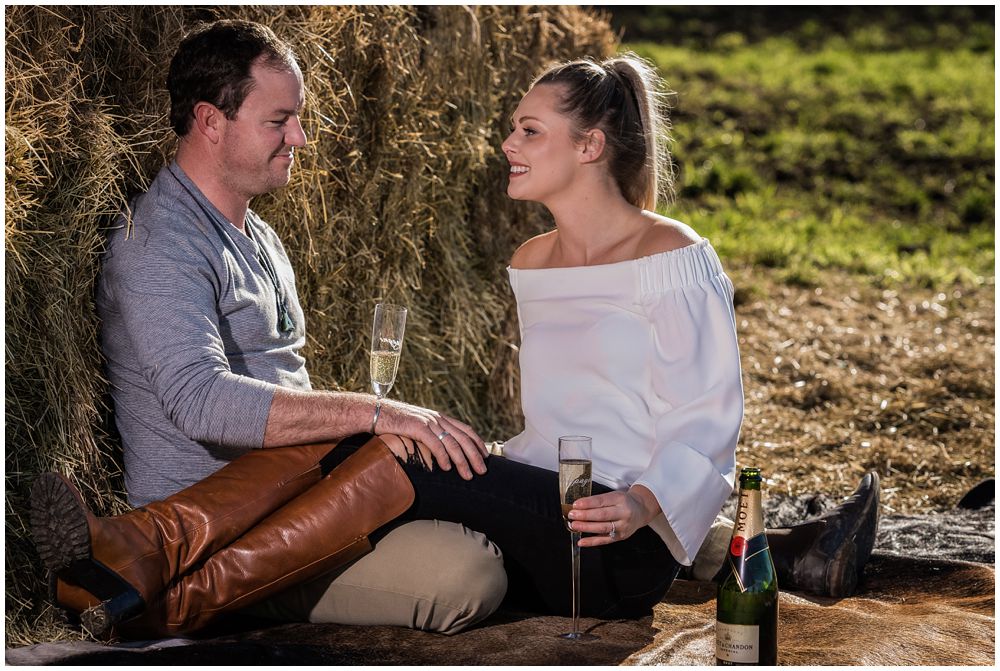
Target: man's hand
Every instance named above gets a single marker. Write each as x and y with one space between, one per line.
301 417
447 439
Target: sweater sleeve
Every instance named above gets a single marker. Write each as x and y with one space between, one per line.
167 290
698 386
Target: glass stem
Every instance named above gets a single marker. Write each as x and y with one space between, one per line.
574 538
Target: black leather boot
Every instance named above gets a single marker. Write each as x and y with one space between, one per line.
826 556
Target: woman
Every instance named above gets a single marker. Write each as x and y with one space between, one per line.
651 367
628 336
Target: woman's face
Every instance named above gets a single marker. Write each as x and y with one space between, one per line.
540 148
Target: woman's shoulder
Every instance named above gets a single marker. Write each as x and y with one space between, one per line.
533 253
665 235
673 256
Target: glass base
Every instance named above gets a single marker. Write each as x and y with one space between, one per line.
579 636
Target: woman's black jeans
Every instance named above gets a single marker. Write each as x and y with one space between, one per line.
517 507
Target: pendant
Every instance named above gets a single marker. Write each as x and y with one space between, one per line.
285 323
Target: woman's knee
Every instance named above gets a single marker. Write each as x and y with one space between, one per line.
429 575
467 581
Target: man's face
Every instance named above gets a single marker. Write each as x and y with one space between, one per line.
257 145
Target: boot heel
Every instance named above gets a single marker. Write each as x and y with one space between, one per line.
99 620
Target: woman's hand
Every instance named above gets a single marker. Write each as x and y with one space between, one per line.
408 450
621 512
450 441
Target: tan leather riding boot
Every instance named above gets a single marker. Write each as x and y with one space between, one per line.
324 527
118 564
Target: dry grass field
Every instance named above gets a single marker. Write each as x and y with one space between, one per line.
845 377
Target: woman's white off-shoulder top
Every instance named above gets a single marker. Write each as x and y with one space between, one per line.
642 356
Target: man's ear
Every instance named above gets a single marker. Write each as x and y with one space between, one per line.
208 120
592 146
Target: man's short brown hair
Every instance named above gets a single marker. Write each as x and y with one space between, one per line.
213 63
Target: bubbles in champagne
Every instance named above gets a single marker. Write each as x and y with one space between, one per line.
383 370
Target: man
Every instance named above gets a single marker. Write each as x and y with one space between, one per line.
224 440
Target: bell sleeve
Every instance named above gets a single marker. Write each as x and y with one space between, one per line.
698 392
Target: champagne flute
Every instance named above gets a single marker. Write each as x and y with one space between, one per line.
387 343
574 483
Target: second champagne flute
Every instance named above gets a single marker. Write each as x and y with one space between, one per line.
387 343
574 483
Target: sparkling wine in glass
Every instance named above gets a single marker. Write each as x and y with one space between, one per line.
574 483
387 343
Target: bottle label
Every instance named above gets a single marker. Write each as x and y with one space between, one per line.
737 643
741 551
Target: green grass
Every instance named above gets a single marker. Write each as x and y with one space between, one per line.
847 155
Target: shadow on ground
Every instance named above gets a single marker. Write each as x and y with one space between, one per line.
504 639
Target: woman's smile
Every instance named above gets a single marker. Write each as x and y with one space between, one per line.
517 170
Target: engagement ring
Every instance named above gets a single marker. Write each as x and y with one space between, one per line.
442 435
612 534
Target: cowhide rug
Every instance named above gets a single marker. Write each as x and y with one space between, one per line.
908 612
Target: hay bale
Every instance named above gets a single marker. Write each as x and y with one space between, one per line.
398 196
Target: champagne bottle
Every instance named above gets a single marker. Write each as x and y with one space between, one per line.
746 610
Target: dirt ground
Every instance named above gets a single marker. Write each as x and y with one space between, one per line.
849 377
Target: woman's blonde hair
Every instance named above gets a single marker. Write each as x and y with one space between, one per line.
621 97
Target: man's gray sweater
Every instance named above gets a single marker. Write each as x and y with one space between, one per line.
190 334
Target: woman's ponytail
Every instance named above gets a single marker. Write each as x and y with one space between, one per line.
657 171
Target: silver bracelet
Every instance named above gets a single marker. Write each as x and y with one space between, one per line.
378 409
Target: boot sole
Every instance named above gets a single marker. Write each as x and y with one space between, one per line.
62 539
865 539
58 523
849 564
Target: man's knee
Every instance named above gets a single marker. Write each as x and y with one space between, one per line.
480 578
